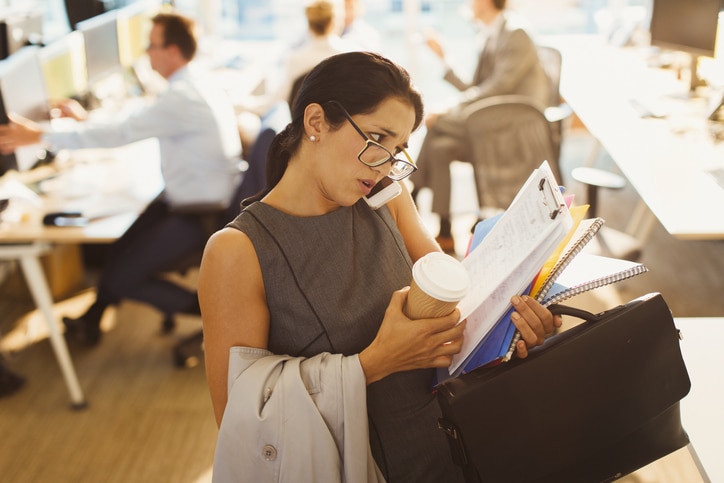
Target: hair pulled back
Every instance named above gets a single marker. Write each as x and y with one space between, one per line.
360 81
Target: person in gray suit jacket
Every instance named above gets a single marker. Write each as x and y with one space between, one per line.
508 64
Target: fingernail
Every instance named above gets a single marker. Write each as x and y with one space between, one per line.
515 300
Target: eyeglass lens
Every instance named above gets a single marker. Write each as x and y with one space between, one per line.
375 155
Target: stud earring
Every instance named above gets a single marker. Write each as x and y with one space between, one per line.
313 138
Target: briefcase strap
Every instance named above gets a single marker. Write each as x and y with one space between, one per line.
558 309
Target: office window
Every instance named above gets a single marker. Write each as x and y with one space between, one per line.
283 20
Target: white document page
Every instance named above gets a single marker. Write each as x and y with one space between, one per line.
509 257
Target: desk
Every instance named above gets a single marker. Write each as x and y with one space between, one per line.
701 409
119 182
665 160
127 178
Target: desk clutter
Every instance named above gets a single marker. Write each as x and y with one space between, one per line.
80 187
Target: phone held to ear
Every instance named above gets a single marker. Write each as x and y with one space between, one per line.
383 192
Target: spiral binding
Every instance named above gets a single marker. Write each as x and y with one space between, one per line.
599 282
563 261
558 268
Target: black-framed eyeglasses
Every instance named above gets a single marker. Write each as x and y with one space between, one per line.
374 154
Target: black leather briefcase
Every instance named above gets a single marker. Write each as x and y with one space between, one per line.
592 404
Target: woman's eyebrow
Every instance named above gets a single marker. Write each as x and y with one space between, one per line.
393 134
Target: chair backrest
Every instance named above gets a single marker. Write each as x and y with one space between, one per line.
509 137
254 178
551 60
296 85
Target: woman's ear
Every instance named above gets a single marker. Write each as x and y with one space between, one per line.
315 122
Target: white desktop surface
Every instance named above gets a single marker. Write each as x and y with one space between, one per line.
118 182
702 410
663 159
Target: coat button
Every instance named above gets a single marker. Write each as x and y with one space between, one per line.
269 452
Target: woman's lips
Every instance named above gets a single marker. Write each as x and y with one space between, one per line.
366 185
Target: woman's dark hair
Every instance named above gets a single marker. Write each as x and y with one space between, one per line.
360 81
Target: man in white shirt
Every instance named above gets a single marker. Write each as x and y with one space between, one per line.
200 148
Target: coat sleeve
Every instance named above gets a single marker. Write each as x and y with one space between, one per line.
291 419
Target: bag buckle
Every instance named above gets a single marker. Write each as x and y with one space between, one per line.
455 440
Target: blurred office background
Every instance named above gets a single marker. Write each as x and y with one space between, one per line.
402 23
149 421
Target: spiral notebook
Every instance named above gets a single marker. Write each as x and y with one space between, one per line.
569 272
574 272
575 279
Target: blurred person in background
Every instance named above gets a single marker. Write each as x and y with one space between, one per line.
356 29
200 150
323 41
507 64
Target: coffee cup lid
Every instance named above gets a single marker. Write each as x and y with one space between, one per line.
441 276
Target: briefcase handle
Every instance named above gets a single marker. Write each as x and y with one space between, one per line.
558 309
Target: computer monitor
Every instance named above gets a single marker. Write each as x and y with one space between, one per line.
100 35
7 161
23 91
134 26
20 27
686 25
63 64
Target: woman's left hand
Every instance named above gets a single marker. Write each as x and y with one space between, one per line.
533 321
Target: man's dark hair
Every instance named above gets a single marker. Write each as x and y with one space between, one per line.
178 30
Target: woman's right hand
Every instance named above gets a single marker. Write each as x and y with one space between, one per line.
402 344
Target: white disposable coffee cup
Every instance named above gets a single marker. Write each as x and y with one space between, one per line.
439 282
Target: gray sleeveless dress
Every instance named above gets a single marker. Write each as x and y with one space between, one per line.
328 281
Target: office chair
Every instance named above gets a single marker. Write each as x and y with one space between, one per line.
509 136
557 110
186 351
608 242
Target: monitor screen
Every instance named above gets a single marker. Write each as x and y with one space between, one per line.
7 161
63 66
101 46
134 26
685 25
23 90
79 10
23 86
19 28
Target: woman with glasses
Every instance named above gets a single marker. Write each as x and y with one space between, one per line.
315 373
